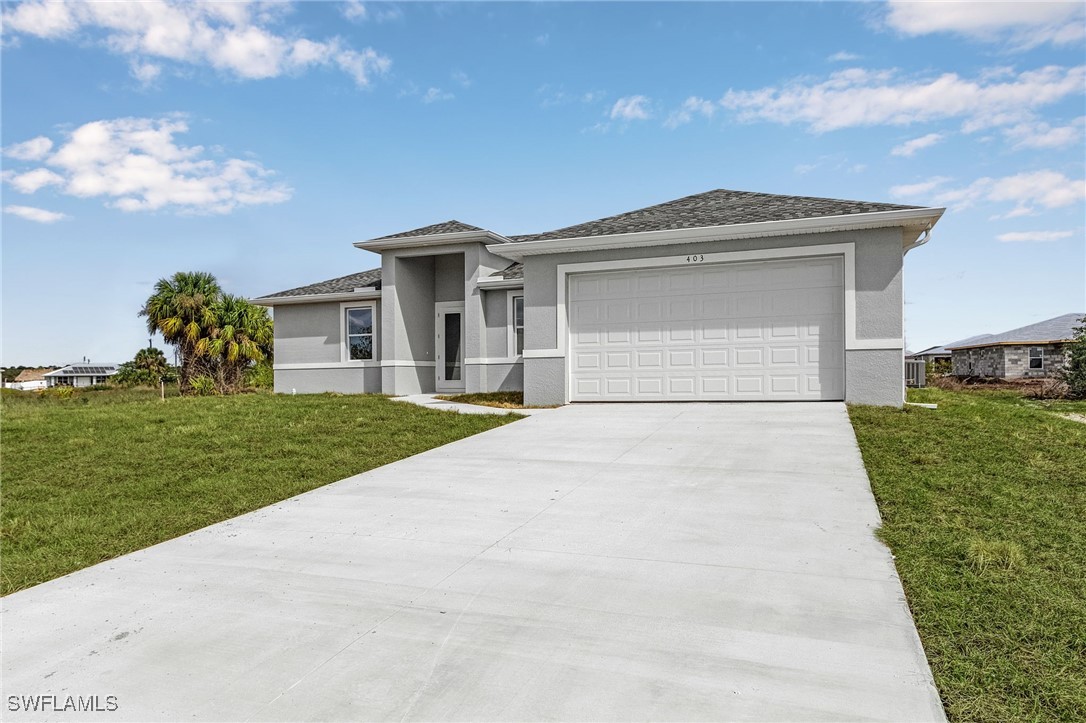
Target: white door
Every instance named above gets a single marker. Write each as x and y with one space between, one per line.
768 330
449 345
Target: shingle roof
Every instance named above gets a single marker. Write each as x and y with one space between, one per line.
450 226
512 271
715 208
944 350
344 284
1059 328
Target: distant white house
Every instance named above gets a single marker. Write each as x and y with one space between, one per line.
82 374
30 380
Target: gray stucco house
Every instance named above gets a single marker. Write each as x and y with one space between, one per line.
1036 351
724 295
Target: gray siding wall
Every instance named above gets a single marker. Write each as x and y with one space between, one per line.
307 333
496 314
504 377
353 380
875 376
312 334
878 378
449 277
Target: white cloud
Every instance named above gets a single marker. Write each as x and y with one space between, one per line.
235 38
858 97
804 168
461 78
434 95
912 190
33 150
137 165
1033 236
1047 188
145 73
685 113
354 10
843 56
1023 24
632 107
910 147
32 181
1038 134
543 39
39 215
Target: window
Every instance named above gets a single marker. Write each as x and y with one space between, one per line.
359 333
518 325
1036 357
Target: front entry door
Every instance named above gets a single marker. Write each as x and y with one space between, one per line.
449 345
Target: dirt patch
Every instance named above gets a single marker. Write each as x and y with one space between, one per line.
1074 417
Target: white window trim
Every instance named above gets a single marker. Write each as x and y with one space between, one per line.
1030 358
344 351
511 332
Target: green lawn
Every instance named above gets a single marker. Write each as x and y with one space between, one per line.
984 506
105 473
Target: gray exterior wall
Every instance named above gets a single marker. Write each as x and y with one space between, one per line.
871 376
412 280
308 333
1007 361
312 335
356 380
983 361
496 315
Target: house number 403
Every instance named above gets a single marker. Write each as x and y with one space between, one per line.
695 258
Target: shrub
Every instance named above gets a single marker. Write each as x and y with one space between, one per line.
1073 373
260 375
204 386
57 392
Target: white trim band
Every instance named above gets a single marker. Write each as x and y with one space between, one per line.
845 250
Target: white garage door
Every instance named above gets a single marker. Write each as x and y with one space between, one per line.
770 330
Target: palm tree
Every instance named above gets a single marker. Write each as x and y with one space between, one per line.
152 361
180 309
241 334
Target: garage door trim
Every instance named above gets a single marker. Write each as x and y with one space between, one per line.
846 250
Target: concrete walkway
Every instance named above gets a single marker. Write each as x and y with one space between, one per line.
431 401
598 562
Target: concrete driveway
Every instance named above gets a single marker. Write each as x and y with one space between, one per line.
604 562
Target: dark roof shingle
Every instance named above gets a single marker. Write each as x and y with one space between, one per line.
1059 328
512 271
344 284
715 208
450 226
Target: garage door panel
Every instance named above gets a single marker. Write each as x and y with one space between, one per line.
784 356
767 330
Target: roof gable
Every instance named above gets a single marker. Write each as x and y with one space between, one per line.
721 207
450 226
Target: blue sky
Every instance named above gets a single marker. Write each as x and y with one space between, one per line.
258 141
